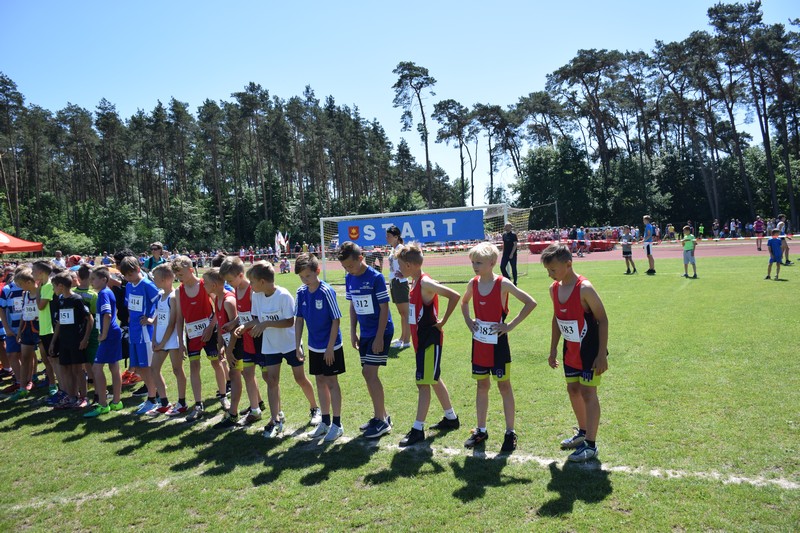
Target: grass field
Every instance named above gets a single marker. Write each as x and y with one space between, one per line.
700 431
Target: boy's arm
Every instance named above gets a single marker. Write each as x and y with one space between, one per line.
431 287
353 323
329 357
212 323
592 299
555 336
172 321
41 302
54 340
529 304
465 308
104 327
179 325
299 324
383 320
88 332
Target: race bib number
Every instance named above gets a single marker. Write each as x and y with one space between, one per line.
244 318
226 339
18 305
30 311
136 303
195 329
485 332
66 317
98 322
270 316
412 314
569 330
363 305
162 317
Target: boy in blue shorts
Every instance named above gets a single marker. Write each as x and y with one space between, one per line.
11 299
774 245
28 333
315 305
73 324
580 318
141 295
689 244
491 353
427 336
369 311
109 348
273 321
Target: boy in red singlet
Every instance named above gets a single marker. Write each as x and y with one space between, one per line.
579 317
491 354
246 347
197 318
227 320
427 336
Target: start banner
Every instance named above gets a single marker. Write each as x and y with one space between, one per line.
425 228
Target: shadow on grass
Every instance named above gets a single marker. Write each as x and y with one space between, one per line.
587 482
325 459
406 463
480 472
221 450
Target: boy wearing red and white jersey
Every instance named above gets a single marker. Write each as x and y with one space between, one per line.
491 354
227 319
580 318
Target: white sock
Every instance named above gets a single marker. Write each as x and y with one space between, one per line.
450 414
255 411
482 430
418 425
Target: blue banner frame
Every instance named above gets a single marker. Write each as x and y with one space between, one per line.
425 228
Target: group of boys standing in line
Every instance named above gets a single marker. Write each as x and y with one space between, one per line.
243 320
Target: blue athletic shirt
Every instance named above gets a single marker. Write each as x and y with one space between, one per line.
367 292
11 304
319 309
580 234
774 245
107 305
648 233
140 299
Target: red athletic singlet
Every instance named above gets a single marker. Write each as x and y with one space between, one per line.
243 306
489 308
195 310
423 317
577 326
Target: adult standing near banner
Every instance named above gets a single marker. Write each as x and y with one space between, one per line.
399 287
157 251
510 245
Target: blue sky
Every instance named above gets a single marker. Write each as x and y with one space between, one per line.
134 54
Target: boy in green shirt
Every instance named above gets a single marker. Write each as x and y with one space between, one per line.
689 244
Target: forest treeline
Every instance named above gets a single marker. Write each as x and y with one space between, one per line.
613 135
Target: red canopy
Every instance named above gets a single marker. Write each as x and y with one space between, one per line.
9 244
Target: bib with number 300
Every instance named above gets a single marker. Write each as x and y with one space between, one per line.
485 332
195 329
569 330
363 305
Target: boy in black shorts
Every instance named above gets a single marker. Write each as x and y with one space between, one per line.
73 326
315 305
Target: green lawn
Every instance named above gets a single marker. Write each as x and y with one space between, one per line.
699 432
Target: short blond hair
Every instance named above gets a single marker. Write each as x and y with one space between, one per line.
212 274
484 250
411 253
180 262
231 266
261 270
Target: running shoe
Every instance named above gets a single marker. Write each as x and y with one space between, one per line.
177 409
97 411
141 392
14 387
412 437
583 453
397 343
333 433
377 429
249 418
196 414
116 406
365 426
247 409
66 402
228 421
320 431
574 441
81 403
19 394
144 407
6 373
158 410
53 399
509 442
445 424
476 437
223 399
315 416
52 390
273 429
